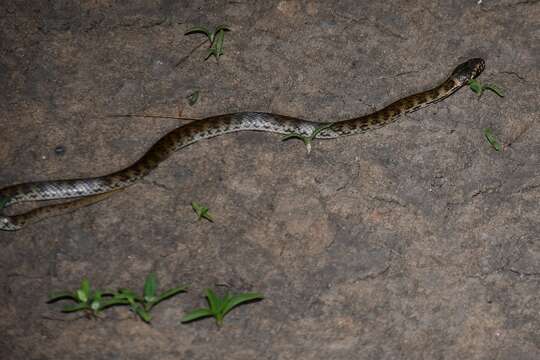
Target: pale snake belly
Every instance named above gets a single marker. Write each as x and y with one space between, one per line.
95 188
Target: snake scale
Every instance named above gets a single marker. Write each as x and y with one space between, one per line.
90 190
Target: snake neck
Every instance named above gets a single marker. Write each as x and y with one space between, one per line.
392 112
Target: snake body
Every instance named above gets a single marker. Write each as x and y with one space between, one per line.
96 188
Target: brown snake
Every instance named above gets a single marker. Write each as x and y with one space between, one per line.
95 189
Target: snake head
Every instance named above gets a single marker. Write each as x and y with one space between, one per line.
468 70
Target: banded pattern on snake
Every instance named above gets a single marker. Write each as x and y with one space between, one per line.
95 189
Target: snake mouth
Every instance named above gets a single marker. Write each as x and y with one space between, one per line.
468 70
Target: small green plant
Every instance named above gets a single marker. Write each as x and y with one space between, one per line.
219 307
479 88
92 302
201 211
142 305
307 139
215 38
193 97
488 133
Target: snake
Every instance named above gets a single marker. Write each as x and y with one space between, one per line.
89 190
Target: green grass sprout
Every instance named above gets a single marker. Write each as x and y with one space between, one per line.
142 305
92 302
201 211
488 133
215 38
193 97
220 306
307 139
479 88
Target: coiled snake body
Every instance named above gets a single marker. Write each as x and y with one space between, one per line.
91 188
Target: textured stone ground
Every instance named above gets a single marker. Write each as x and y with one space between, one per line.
416 241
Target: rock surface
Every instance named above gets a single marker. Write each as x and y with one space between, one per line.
415 241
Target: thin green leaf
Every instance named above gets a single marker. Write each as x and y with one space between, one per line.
197 207
294 136
73 308
219 319
126 292
319 129
211 52
476 86
167 294
206 215
193 98
224 302
150 287
218 43
240 299
96 301
128 295
143 314
202 212
62 295
216 39
120 296
479 88
108 303
222 28
495 89
214 301
488 133
199 29
85 290
307 139
81 296
197 314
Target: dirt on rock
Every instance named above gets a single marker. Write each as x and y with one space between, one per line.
414 241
